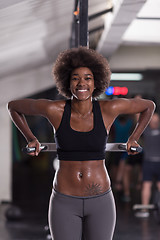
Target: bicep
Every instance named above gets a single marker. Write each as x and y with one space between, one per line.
131 106
29 106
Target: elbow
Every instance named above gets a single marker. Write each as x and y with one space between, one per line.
149 107
152 106
9 106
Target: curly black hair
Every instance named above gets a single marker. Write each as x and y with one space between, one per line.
73 58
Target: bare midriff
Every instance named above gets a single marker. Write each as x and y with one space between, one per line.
82 178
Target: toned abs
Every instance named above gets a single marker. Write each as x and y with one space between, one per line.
82 178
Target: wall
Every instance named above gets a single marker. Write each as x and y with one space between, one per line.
13 87
5 150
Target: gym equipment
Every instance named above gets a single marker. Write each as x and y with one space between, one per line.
110 147
13 213
80 32
156 201
155 207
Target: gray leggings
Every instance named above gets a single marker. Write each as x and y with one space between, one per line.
69 216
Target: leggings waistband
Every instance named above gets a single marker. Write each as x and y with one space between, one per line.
81 197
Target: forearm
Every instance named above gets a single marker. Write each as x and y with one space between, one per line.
18 109
143 122
21 123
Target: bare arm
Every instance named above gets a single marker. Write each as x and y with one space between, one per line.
19 108
132 106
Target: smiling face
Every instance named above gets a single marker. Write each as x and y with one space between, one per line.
82 83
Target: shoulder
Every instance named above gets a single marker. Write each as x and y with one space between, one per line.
54 112
112 102
55 106
111 105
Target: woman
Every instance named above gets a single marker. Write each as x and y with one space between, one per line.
82 196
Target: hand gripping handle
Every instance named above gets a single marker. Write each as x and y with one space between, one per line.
133 149
32 149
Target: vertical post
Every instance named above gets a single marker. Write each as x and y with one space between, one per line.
74 41
80 35
76 29
83 22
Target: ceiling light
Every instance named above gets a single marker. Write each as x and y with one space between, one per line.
126 77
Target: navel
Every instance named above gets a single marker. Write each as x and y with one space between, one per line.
80 174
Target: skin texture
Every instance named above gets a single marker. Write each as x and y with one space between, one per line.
81 178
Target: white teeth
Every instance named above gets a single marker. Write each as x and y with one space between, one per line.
82 90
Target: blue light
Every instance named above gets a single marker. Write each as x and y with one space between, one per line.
109 91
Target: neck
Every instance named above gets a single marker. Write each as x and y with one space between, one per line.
82 108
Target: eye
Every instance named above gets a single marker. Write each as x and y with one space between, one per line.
88 78
74 79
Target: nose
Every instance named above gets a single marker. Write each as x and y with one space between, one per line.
81 81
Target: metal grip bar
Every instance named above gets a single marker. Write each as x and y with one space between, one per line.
110 147
32 149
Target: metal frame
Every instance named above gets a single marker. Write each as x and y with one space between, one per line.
110 147
83 24
80 33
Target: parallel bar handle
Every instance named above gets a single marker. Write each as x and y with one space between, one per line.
133 149
32 149
47 147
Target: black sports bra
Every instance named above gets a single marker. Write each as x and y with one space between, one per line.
73 145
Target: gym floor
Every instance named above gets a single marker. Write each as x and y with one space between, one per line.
31 195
